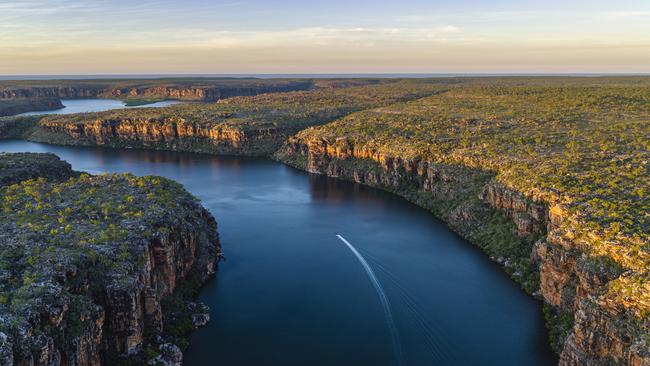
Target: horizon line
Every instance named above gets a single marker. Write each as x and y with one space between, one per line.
7 77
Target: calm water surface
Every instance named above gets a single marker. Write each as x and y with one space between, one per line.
96 105
291 293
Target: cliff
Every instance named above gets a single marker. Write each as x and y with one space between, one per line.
547 176
256 125
18 97
167 134
18 167
17 106
198 90
88 266
51 92
204 94
606 331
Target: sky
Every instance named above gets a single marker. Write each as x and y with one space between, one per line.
334 36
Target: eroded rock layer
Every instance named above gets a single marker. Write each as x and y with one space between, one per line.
17 106
164 134
198 92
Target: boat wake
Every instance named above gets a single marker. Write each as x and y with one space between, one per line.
397 347
433 337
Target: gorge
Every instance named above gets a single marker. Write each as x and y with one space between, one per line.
535 172
292 270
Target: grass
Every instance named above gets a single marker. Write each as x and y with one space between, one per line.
21 105
131 102
256 125
579 145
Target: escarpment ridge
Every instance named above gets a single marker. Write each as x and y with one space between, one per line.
90 286
25 96
532 246
206 90
256 125
550 159
16 106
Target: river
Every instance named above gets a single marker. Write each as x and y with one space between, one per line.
71 106
293 293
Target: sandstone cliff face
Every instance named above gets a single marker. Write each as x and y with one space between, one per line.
41 98
133 308
51 92
198 93
206 94
169 134
16 106
605 333
97 294
128 308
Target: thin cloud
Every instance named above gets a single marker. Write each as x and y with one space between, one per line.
450 29
627 14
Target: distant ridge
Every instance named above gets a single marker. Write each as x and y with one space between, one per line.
301 76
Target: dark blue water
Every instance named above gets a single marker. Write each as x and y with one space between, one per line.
291 293
96 105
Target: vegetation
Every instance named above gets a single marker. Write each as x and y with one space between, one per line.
577 144
71 240
256 125
15 168
580 145
294 110
124 88
135 102
18 96
17 106
17 127
559 325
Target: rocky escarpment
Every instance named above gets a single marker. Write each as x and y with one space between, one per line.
17 106
64 92
545 259
205 94
169 134
18 167
19 99
255 126
88 267
198 93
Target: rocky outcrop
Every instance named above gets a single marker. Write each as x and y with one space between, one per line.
17 106
92 292
170 355
205 94
529 217
17 100
169 134
605 334
570 279
134 308
18 167
62 92
120 316
198 93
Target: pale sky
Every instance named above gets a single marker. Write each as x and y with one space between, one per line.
335 36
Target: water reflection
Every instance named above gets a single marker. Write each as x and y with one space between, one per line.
95 105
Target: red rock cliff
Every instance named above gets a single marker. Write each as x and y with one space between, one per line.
606 331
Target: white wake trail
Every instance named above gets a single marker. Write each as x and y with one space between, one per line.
397 347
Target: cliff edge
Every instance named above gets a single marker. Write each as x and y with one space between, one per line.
89 264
